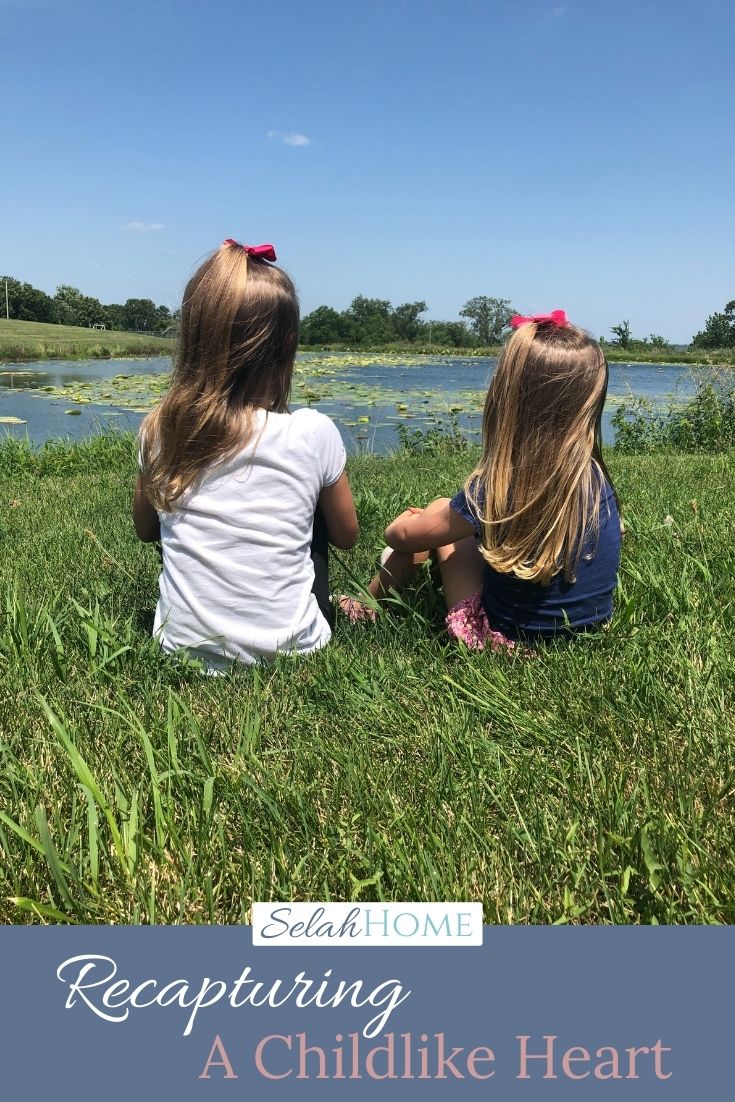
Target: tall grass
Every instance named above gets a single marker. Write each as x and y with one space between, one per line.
26 341
705 424
640 354
593 783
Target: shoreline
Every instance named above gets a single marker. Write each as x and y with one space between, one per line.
493 352
24 356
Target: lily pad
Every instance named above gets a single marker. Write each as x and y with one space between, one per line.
73 412
12 421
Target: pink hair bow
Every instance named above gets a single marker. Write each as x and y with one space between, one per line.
267 252
556 317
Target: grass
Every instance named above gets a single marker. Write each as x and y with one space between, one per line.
702 357
698 357
594 783
706 423
24 341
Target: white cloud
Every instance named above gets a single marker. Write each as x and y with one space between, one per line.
144 227
290 138
558 12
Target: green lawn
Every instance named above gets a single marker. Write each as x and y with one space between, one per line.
21 341
593 783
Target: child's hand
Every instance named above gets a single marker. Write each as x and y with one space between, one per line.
412 511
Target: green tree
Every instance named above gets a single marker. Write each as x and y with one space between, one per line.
406 320
719 330
74 308
657 341
488 317
26 302
163 319
372 318
452 334
113 315
139 314
622 333
324 326
363 308
456 333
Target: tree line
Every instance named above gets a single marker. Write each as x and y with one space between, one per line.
375 321
718 332
372 321
366 321
69 306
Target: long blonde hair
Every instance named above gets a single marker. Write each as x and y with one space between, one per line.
236 351
537 487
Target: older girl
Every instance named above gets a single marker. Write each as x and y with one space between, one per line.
243 494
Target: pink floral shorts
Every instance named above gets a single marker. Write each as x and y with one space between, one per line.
467 622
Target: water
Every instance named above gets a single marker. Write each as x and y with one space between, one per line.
416 393
46 417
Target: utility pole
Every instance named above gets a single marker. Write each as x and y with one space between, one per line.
7 308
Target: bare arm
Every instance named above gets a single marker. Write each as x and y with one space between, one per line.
425 529
338 508
145 517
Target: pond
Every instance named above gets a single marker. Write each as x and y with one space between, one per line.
368 395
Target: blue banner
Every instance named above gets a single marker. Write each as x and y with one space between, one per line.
201 1012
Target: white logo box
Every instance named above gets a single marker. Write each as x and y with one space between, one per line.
354 925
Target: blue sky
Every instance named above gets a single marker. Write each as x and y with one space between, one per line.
576 154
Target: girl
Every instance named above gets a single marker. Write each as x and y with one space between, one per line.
529 549
242 494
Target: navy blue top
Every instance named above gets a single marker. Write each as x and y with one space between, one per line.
523 609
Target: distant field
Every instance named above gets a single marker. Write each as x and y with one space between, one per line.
21 341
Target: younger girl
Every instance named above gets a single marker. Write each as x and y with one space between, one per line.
529 549
242 494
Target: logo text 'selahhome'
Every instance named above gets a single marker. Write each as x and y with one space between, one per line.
366 924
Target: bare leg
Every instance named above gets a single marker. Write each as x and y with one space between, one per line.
399 566
395 571
462 568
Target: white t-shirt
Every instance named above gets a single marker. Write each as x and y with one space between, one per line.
237 572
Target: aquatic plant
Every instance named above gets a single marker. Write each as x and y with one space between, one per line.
705 424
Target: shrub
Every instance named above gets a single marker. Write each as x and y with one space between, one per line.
444 435
706 424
